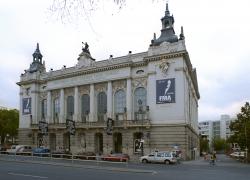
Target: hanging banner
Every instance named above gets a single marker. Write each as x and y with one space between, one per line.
70 126
43 127
110 124
165 91
26 105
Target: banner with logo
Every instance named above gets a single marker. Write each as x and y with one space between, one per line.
165 91
26 105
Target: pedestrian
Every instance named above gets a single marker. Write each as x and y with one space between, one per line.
212 159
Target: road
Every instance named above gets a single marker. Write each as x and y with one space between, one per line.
23 169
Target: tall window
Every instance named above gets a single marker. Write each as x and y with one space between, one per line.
101 105
56 108
70 107
85 106
140 102
44 109
120 101
119 104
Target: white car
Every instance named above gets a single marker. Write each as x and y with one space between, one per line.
19 149
238 154
159 157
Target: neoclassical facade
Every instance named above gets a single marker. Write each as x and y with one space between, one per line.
150 98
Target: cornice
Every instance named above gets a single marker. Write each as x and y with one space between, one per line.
164 56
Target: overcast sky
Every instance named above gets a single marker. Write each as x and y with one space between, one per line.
216 31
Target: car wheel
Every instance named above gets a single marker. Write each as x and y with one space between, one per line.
167 162
145 161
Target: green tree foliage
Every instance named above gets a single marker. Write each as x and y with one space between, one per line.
241 128
9 122
204 144
219 144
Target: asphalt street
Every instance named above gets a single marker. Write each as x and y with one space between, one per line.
26 169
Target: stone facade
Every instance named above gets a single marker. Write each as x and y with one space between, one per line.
151 96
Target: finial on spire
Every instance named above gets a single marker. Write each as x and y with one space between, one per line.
182 37
167 13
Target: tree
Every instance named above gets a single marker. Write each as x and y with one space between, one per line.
219 144
204 144
70 9
241 128
9 122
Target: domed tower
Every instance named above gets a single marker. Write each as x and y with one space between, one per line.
37 64
167 31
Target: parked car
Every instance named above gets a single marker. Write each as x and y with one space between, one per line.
117 157
159 157
85 156
238 154
41 151
61 153
20 149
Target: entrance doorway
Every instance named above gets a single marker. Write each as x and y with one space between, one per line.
117 142
99 143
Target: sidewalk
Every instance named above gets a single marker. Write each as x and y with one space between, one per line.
222 160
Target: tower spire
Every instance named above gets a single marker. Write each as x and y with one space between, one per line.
167 12
167 31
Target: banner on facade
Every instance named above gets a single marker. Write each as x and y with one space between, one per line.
165 91
70 126
26 105
138 145
43 127
110 124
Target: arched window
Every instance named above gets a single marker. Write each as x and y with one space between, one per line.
70 107
44 109
85 106
140 101
56 110
101 105
120 101
119 104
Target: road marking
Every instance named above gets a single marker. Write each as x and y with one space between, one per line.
27 175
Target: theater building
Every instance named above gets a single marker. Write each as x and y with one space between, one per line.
131 104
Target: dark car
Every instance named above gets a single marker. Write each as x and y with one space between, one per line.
61 153
116 157
85 156
41 151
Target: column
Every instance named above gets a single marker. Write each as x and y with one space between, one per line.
92 103
49 118
76 105
109 100
61 118
129 100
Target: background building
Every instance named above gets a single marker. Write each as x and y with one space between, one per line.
132 104
216 129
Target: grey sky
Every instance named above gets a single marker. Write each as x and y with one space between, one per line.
216 31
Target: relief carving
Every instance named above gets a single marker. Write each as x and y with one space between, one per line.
140 82
84 90
102 87
119 85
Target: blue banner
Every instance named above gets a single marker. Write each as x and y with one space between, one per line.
165 91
